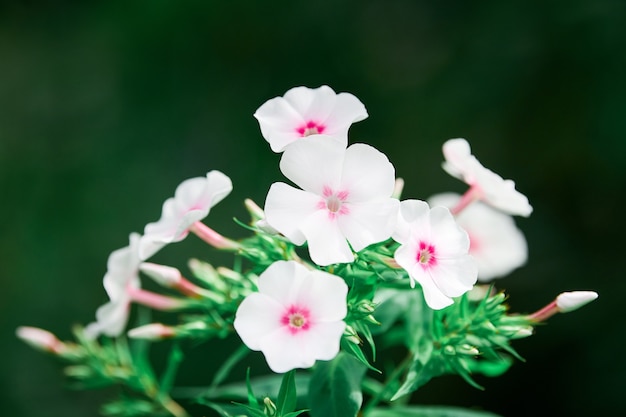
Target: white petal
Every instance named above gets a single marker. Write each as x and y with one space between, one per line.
458 155
325 294
368 223
314 162
327 245
111 319
347 110
447 236
282 281
454 277
367 173
257 316
278 121
412 219
313 104
287 208
573 300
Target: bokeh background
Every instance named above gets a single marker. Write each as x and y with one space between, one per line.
105 106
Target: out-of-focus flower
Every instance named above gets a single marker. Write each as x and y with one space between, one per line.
345 194
304 111
41 339
484 184
191 203
496 243
152 331
434 251
123 286
296 317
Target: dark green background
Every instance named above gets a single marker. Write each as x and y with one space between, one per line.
106 106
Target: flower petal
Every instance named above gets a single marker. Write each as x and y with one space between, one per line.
325 294
287 208
257 317
327 245
367 173
314 162
369 222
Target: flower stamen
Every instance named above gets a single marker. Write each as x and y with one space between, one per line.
310 128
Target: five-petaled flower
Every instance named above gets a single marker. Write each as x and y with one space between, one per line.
304 111
434 251
296 317
485 185
345 194
496 243
191 203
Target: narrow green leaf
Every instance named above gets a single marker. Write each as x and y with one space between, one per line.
286 402
173 361
252 401
295 413
335 388
357 353
224 370
419 374
429 411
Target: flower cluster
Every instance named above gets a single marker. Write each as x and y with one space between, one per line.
337 263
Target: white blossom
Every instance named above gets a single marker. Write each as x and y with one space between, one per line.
296 317
345 196
304 111
434 251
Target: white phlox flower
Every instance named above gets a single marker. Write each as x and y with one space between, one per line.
434 251
484 184
122 275
296 317
345 196
496 243
191 203
304 111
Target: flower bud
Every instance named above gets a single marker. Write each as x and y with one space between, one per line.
570 301
41 339
166 276
152 331
269 408
256 212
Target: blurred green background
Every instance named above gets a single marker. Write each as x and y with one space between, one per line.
106 106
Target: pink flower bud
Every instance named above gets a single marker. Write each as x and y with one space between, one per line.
570 301
40 339
162 274
153 331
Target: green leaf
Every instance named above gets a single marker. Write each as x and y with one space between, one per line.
420 373
252 401
173 361
286 402
429 411
223 372
357 353
335 388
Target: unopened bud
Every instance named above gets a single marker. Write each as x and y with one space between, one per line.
352 336
166 276
78 371
256 212
269 408
41 339
152 331
397 188
570 301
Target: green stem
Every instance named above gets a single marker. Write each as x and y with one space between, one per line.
395 375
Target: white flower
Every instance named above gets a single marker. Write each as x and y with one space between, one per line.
573 300
306 111
122 275
191 203
496 243
346 194
296 317
484 184
434 251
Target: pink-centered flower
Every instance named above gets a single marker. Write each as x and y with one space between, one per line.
306 111
345 196
191 203
496 243
485 185
296 317
434 251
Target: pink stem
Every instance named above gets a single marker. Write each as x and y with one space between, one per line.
154 300
471 195
545 312
211 237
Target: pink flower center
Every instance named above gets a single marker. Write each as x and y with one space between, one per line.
310 128
333 202
296 319
426 255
